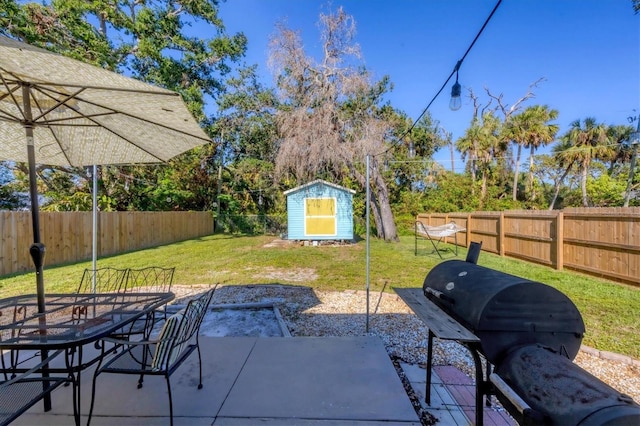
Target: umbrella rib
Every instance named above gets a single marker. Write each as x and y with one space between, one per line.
64 151
151 89
59 102
43 88
158 91
113 132
64 121
117 111
13 98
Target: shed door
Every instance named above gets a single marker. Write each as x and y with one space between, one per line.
320 216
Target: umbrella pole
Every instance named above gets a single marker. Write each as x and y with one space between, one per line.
37 249
94 227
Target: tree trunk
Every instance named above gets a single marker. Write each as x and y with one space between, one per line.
583 184
632 168
380 207
530 179
516 171
385 223
453 156
557 186
483 187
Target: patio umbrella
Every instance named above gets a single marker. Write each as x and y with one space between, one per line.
74 114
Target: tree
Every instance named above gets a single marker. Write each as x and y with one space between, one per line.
489 148
584 142
331 118
566 159
148 41
539 132
468 145
484 143
9 199
604 190
512 131
245 126
624 151
246 139
620 149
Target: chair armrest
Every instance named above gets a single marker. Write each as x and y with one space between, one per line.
126 342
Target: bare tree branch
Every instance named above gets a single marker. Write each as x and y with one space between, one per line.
508 111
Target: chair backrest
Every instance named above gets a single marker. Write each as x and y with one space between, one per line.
154 278
179 331
107 280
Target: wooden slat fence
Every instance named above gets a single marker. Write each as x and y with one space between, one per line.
598 241
67 235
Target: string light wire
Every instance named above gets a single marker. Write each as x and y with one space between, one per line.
455 70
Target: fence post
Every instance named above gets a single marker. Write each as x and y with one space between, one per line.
501 234
559 241
468 229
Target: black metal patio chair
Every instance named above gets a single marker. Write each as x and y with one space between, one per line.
24 390
161 356
152 279
103 280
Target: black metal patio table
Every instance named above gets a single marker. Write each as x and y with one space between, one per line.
69 322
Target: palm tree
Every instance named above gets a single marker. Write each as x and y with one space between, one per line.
490 148
515 130
620 150
565 159
586 141
468 147
530 129
541 133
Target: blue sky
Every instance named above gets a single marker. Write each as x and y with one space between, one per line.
588 51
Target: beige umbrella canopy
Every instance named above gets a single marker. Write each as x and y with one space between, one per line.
83 115
55 110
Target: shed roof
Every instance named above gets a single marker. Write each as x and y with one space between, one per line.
316 182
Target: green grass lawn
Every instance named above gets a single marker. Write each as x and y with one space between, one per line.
610 310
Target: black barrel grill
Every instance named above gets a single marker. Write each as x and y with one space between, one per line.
530 332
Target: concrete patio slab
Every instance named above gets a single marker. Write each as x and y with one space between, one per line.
340 379
248 380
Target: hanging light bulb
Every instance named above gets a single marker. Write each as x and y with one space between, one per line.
456 90
412 150
456 100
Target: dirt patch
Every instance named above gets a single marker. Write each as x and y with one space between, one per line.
296 275
308 243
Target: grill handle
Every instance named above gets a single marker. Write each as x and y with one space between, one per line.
440 295
516 401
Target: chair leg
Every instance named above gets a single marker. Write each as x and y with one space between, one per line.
144 363
200 365
170 400
93 396
94 381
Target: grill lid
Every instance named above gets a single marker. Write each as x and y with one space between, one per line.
503 310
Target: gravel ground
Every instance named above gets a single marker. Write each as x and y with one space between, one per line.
309 312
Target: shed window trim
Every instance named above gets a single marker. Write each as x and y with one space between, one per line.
313 223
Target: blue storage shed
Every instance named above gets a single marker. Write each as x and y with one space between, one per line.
320 210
